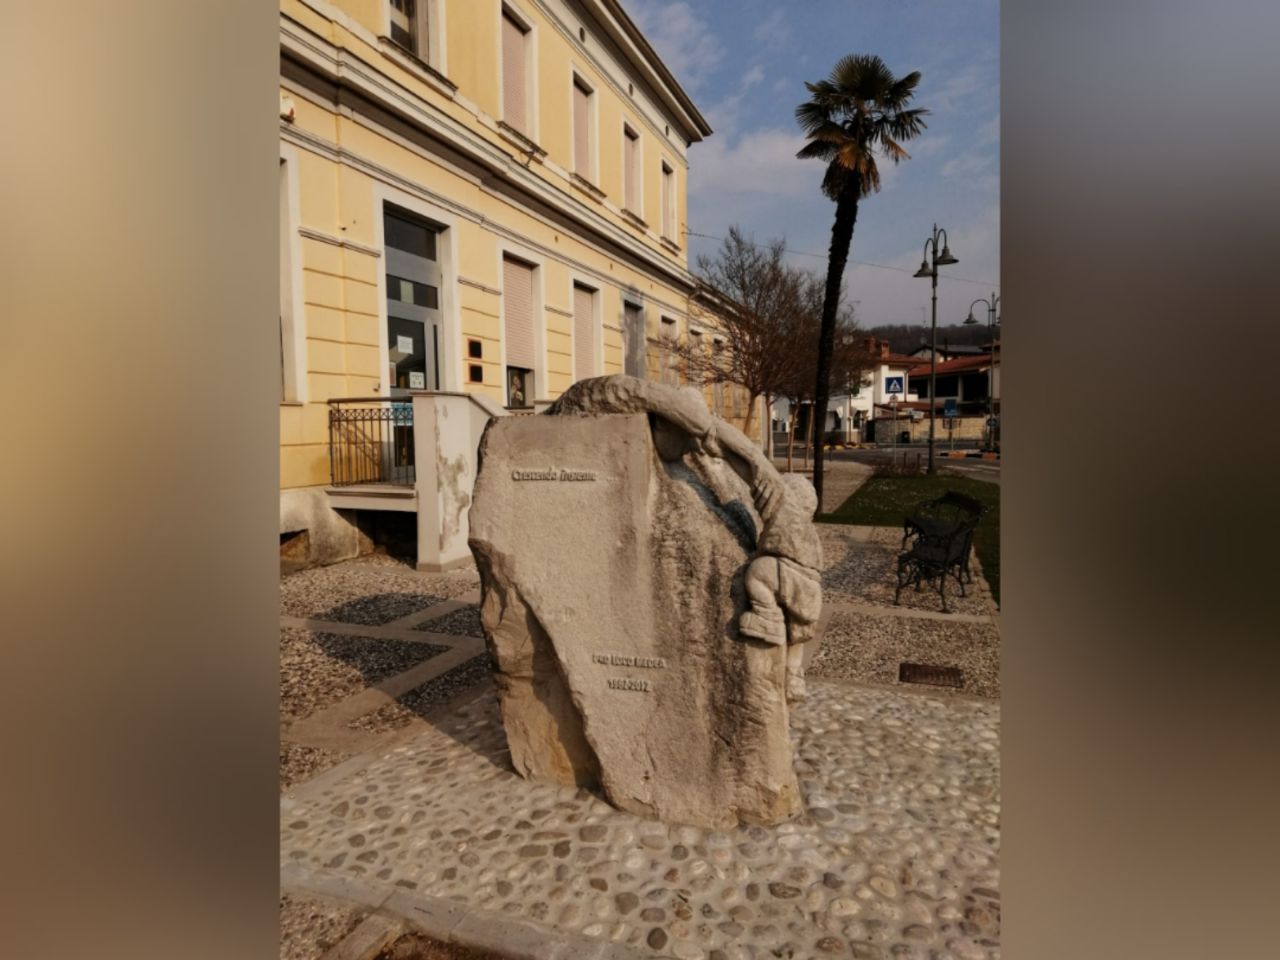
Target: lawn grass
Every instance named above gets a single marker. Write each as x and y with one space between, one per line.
885 501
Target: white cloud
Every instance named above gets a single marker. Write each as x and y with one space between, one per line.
774 31
686 43
976 168
759 162
752 77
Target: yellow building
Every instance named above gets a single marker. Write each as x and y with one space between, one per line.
478 197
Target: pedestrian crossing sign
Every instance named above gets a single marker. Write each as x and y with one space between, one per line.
893 385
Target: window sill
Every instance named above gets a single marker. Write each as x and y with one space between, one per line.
411 61
670 244
512 135
635 219
292 403
587 187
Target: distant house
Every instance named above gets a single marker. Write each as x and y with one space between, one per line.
850 412
965 380
947 352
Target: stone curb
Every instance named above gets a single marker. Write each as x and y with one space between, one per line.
453 922
371 935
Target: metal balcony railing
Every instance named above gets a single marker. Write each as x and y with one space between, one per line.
371 441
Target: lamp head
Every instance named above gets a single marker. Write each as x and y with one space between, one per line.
924 270
969 321
946 259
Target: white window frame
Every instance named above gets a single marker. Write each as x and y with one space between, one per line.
293 329
453 370
577 77
529 258
530 128
431 16
628 128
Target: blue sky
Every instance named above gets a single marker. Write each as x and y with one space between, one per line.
744 62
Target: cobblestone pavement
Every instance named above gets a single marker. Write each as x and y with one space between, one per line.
397 788
895 857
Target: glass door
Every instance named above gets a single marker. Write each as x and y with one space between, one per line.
413 305
413 323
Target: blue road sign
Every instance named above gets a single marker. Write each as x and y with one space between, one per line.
893 385
949 408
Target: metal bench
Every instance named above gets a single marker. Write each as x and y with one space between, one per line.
937 541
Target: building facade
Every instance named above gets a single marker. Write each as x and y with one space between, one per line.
479 198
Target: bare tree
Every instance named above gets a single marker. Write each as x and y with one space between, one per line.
750 297
850 358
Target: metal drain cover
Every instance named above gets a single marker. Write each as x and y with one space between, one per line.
928 673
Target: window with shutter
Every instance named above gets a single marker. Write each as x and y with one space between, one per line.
581 130
717 389
631 171
515 110
517 310
584 332
404 26
668 202
667 337
695 347
633 340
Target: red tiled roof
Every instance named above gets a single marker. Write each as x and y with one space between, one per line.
898 360
959 365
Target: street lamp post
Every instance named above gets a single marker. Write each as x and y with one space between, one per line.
992 306
930 269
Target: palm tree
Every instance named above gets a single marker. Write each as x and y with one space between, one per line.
858 110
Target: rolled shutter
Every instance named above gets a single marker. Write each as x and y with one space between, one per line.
513 75
581 139
667 178
517 309
633 340
584 334
629 171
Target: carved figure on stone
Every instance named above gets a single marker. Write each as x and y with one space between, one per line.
784 582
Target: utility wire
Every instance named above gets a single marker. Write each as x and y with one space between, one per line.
861 263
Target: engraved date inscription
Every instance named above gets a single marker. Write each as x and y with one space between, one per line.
628 683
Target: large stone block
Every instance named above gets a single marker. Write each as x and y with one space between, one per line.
613 586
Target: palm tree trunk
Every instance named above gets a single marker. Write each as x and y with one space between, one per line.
841 237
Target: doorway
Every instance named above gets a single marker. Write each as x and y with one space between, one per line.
414 318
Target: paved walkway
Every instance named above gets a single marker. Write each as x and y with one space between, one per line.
400 811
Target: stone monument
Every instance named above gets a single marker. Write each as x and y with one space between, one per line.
648 582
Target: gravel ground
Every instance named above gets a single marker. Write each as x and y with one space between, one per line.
319 669
417 702
309 926
866 572
372 591
461 623
299 764
896 856
870 648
